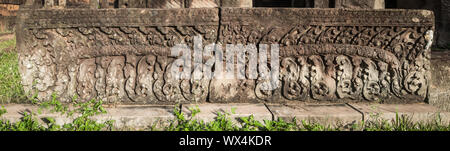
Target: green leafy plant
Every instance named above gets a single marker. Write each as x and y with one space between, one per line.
83 122
27 123
2 110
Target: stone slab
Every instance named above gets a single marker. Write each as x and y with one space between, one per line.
417 112
126 117
202 3
237 3
440 80
321 52
139 117
208 112
325 114
360 4
165 4
321 3
16 111
15 2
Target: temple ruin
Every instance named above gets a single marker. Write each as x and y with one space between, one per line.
119 51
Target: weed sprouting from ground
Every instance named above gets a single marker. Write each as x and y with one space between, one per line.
81 122
83 112
406 123
2 110
182 123
11 91
223 122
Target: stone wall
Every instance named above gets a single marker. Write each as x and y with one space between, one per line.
12 2
8 11
123 55
440 7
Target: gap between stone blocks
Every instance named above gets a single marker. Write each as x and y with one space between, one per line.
267 111
329 114
323 113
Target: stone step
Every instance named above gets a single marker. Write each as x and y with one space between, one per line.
416 112
127 117
208 112
139 117
324 114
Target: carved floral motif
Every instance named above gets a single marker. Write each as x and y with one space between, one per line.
131 64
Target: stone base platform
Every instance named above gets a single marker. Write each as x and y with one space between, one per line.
129 117
440 79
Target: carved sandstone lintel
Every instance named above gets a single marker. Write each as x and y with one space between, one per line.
124 55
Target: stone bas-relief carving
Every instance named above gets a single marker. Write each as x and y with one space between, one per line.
325 55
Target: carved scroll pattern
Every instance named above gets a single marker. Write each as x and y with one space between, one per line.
318 63
395 69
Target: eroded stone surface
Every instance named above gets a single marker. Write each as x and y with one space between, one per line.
237 3
326 114
165 4
440 86
209 112
321 59
414 112
139 117
125 117
202 3
360 4
123 55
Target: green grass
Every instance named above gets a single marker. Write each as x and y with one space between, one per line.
223 123
11 89
83 122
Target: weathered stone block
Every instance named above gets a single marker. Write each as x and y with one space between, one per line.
80 3
8 9
126 117
348 57
12 2
322 4
440 83
134 3
202 3
111 3
8 16
49 3
124 55
209 112
360 4
414 112
165 4
237 3
102 60
94 4
325 114
7 23
138 117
